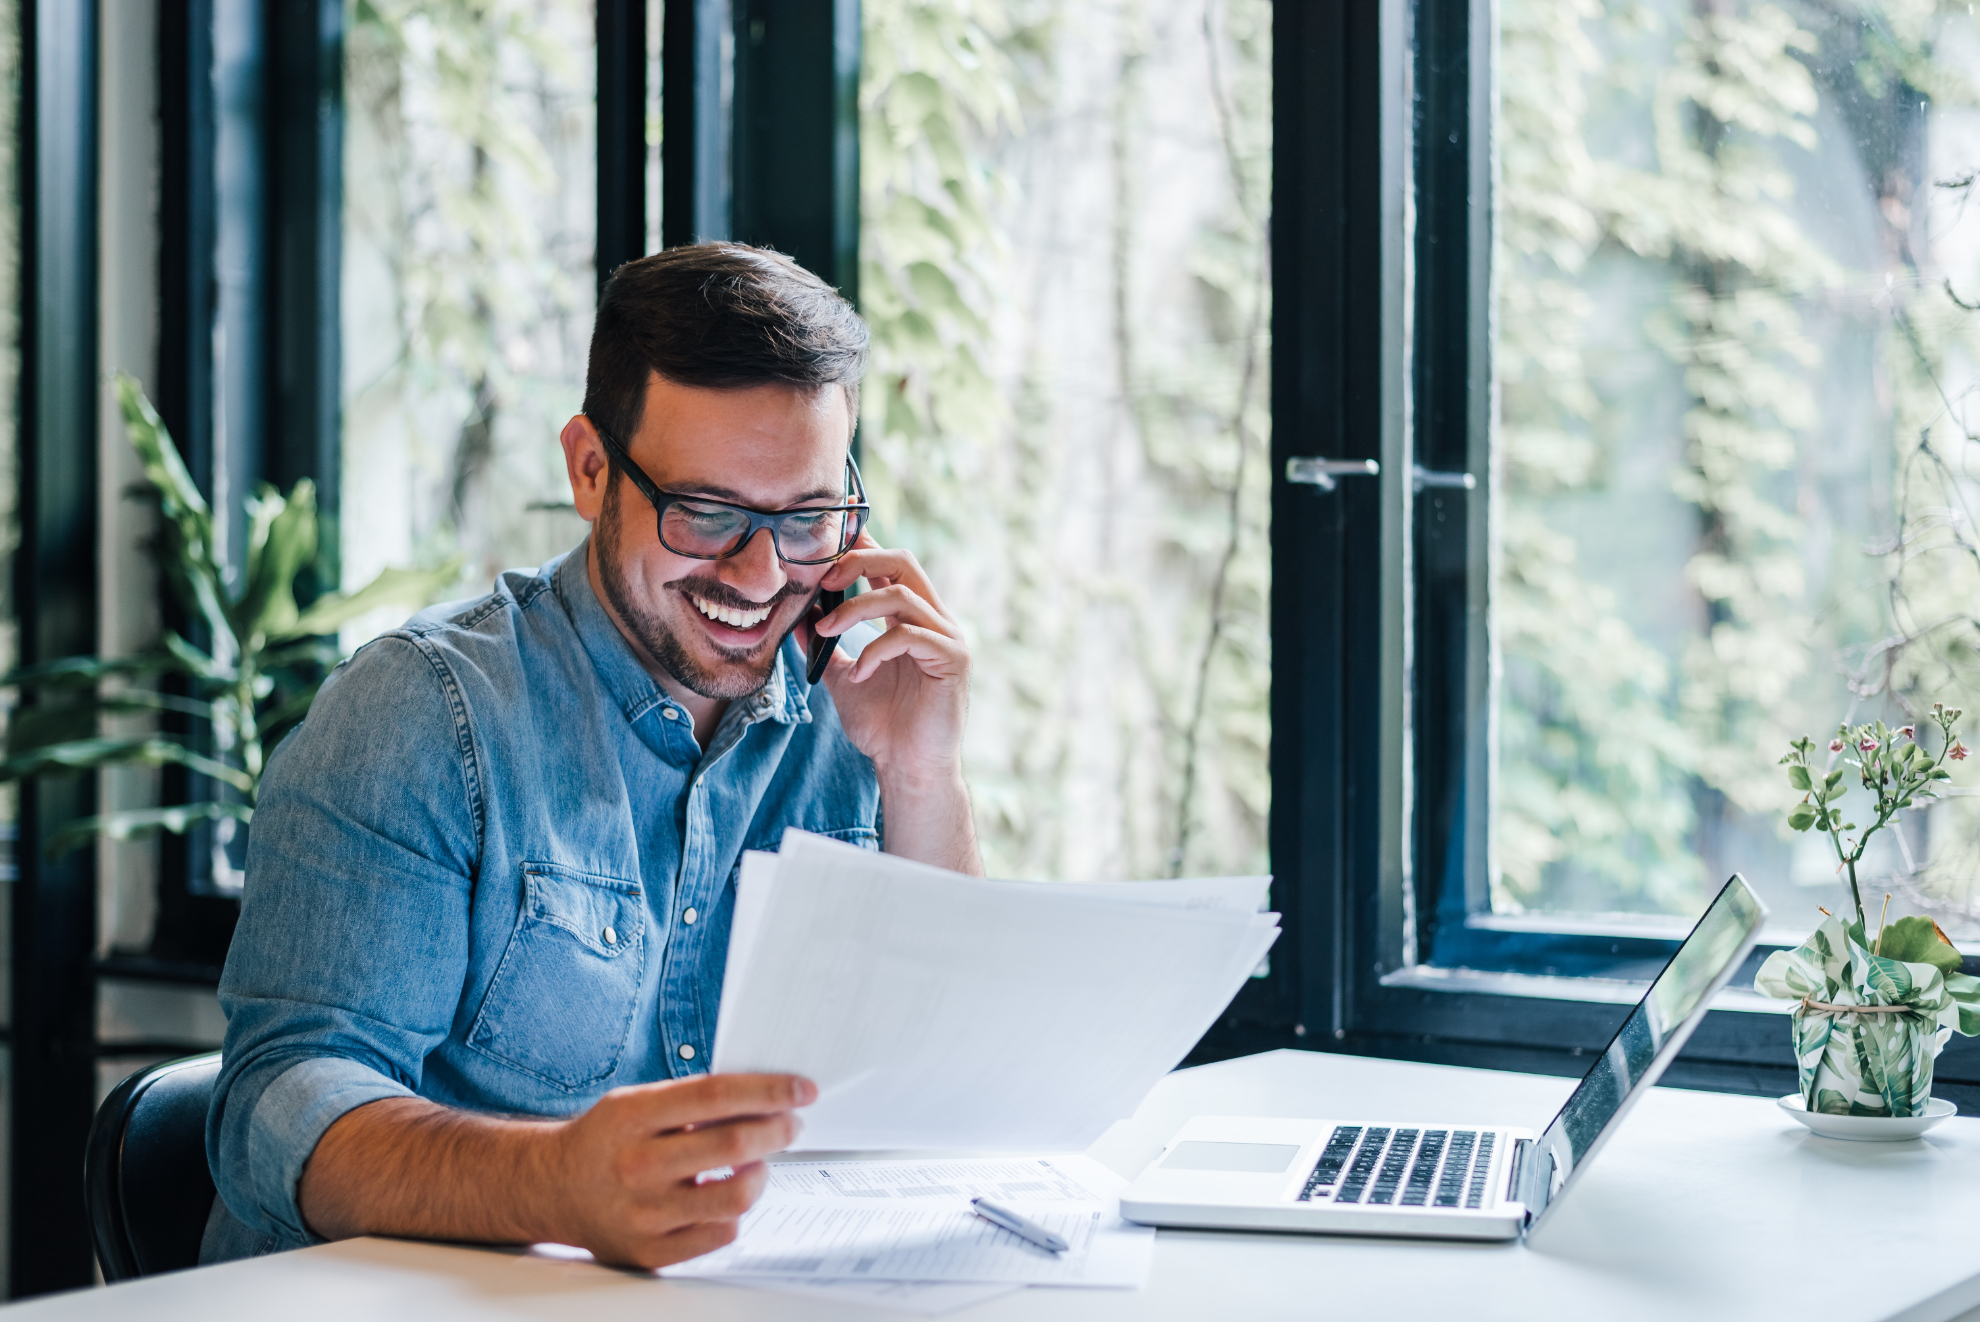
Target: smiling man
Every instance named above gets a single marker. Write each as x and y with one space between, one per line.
480 954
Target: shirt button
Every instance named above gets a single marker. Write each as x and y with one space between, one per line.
670 713
689 917
611 936
687 1052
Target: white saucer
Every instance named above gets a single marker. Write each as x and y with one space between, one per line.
1868 1128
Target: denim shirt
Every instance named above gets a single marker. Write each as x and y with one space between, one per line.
494 869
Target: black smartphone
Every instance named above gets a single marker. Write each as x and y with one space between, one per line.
821 646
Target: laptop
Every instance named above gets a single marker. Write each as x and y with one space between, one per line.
1445 1181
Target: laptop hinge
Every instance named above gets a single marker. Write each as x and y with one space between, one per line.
1521 1149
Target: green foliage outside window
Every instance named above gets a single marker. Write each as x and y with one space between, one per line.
1691 175
468 276
964 413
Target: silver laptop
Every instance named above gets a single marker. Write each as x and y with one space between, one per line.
1373 1177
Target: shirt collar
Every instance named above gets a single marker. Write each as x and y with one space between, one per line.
627 680
788 693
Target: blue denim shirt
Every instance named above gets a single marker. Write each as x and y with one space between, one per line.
494 869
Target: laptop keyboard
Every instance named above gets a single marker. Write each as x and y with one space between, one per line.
1377 1166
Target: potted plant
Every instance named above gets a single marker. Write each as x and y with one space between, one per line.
1874 1009
262 660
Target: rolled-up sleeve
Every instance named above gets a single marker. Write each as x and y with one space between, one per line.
347 966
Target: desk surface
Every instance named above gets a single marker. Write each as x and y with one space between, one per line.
1703 1207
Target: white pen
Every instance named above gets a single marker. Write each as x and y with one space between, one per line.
1017 1225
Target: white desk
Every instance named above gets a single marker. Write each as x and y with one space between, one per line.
1704 1207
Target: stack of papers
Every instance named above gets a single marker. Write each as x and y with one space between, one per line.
937 1011
901 1233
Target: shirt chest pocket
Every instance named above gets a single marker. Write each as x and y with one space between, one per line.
561 1004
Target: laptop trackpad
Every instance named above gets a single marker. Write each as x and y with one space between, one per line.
1259 1158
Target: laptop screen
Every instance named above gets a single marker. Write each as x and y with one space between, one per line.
1646 1043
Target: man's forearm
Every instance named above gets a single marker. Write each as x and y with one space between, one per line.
627 1179
407 1166
929 821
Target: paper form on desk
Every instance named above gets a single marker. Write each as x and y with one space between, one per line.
1055 1179
935 1010
910 1220
930 1299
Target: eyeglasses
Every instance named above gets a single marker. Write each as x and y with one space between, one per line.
703 529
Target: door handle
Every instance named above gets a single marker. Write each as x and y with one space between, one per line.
1309 470
1425 478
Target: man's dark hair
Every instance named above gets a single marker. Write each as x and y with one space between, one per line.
721 316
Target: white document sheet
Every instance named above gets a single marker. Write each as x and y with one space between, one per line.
758 881
940 1011
910 1220
925 1244
927 1299
1057 1179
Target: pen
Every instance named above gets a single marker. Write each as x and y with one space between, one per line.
1017 1225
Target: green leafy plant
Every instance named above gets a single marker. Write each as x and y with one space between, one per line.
1873 1014
250 678
1892 766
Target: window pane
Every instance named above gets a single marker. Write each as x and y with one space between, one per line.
470 223
1733 439
1063 258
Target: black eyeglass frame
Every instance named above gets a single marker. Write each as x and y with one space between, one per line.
858 507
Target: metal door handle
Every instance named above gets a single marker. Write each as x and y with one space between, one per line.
1425 478
1311 471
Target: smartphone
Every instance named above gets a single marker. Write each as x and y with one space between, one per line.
821 646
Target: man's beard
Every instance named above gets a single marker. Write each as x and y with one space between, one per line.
748 669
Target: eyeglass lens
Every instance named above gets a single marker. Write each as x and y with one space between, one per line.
710 531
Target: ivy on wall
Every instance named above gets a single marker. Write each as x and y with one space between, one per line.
1722 251
468 279
1084 474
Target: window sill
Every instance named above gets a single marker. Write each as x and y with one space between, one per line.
1622 926
1603 991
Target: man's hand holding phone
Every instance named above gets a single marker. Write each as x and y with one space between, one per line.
904 701
819 653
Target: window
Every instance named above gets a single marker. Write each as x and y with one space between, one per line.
468 283
1729 455
1063 229
1731 371
1669 396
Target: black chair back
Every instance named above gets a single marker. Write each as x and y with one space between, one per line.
145 1176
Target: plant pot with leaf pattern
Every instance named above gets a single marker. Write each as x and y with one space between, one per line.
1873 1010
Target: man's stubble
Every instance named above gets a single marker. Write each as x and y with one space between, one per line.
747 671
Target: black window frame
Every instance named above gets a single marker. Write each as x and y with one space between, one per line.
762 100
1380 653
53 1004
